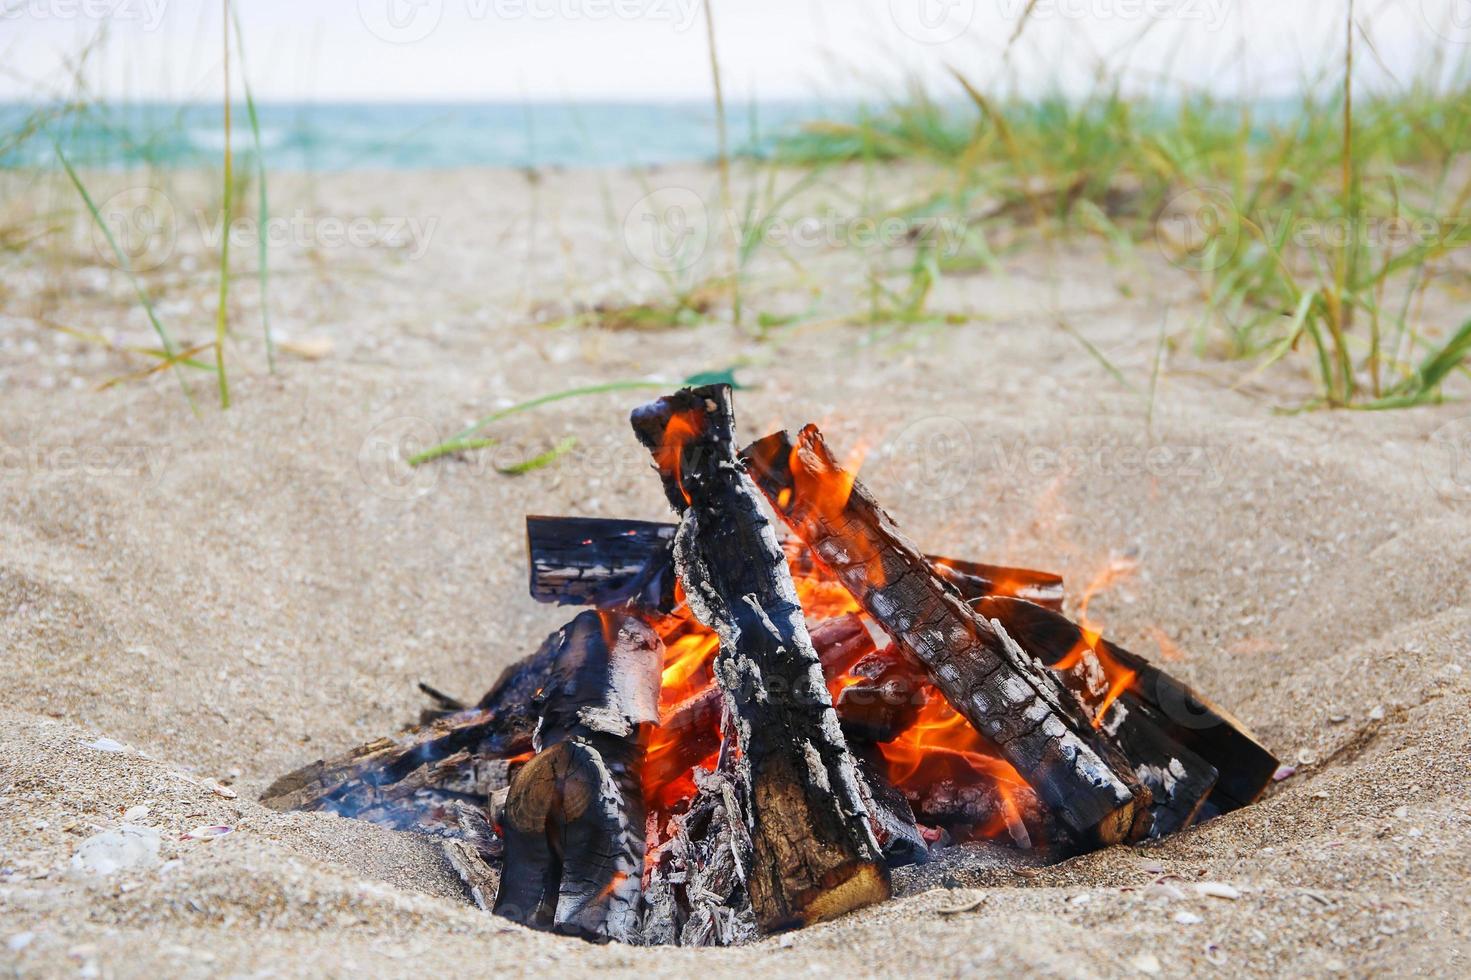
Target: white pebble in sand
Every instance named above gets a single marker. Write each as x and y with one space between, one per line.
125 848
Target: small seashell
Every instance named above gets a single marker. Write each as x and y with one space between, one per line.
107 745
135 813
1376 713
1284 772
209 832
220 789
1215 954
1217 889
1188 919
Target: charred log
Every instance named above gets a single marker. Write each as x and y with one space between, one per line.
1176 711
894 826
974 580
885 697
815 856
588 561
574 816
1020 707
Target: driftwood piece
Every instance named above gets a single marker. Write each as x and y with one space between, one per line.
574 817
604 562
1179 712
815 856
1018 705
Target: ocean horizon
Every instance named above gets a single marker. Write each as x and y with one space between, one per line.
347 136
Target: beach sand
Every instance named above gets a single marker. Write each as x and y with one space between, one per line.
190 607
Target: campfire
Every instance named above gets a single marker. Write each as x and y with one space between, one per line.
772 703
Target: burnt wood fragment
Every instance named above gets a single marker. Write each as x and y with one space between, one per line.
1176 710
1003 693
884 698
814 853
590 561
574 817
696 892
894 826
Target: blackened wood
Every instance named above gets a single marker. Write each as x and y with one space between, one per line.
604 562
814 852
885 698
973 808
1020 707
1179 780
589 561
1244 765
574 817
696 891
898 835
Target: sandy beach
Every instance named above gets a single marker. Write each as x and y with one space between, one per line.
192 606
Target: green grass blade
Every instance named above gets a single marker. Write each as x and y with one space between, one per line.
263 205
222 315
537 462
122 260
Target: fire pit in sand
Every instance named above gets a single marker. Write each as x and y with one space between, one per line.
744 734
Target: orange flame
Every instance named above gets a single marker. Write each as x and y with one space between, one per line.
669 457
942 745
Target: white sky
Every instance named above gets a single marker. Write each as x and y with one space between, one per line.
454 50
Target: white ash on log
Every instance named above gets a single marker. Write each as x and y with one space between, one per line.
1176 711
574 817
814 852
1022 708
696 892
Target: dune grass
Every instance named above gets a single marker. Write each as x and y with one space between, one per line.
1311 231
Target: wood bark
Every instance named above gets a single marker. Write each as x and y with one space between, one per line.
1001 691
815 856
574 817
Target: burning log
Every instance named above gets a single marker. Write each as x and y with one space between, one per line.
1179 724
1021 708
974 580
601 562
814 853
894 827
574 816
881 697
